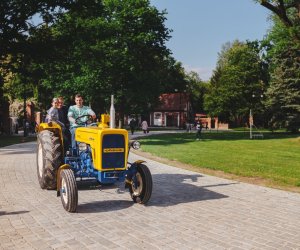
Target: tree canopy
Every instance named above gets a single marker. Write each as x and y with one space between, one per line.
102 48
237 78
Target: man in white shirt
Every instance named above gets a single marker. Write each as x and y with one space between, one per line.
76 111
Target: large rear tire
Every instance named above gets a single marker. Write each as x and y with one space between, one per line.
69 191
49 158
141 192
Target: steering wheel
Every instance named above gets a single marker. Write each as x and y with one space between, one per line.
88 121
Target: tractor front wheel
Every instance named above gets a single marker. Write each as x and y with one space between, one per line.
68 192
141 185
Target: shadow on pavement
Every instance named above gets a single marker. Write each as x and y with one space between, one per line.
168 190
92 184
104 206
2 213
101 206
173 189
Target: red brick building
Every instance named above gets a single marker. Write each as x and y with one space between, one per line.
172 112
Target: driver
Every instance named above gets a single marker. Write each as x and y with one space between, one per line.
76 111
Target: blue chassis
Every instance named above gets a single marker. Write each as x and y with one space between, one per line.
82 167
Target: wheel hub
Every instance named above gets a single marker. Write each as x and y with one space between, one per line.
137 185
64 192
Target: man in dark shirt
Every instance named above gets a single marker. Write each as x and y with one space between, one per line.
199 129
63 112
63 118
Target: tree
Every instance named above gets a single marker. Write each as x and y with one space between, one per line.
98 48
15 27
196 89
238 76
288 11
284 92
16 20
282 96
116 47
282 101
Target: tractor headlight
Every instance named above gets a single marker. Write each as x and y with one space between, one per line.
82 146
136 144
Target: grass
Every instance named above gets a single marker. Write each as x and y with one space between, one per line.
275 160
6 140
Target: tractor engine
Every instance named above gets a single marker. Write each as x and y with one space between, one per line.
81 162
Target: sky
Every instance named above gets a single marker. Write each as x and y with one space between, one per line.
201 27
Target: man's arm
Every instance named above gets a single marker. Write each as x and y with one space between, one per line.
92 113
71 119
70 116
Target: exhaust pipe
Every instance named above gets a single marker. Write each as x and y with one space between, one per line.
112 113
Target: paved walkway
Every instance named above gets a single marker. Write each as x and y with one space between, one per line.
187 210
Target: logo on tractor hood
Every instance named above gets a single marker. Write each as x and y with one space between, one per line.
113 150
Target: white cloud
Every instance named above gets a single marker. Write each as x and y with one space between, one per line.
204 72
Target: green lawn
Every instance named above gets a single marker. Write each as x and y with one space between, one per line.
275 158
6 140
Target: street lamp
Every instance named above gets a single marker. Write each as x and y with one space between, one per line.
251 121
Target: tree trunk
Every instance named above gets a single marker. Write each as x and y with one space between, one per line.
5 116
4 111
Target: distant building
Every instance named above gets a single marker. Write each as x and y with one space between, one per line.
172 112
210 122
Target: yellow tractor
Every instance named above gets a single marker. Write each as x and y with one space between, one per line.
101 153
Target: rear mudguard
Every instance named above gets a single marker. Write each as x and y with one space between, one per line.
52 126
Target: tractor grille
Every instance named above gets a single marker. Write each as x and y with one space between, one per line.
113 151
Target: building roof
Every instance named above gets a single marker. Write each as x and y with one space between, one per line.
173 102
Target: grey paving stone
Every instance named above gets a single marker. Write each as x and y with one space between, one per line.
187 210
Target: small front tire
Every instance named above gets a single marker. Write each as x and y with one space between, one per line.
68 191
142 190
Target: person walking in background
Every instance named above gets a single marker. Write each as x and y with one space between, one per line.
145 127
199 129
132 125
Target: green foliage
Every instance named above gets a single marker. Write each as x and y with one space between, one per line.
283 95
97 48
237 78
288 12
16 23
113 47
196 88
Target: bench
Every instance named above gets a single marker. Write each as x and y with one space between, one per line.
257 136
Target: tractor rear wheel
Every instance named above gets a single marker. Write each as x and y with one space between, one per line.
69 191
49 158
141 186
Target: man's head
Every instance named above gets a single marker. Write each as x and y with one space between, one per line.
60 101
78 100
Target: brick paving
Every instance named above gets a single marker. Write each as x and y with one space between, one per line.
187 210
